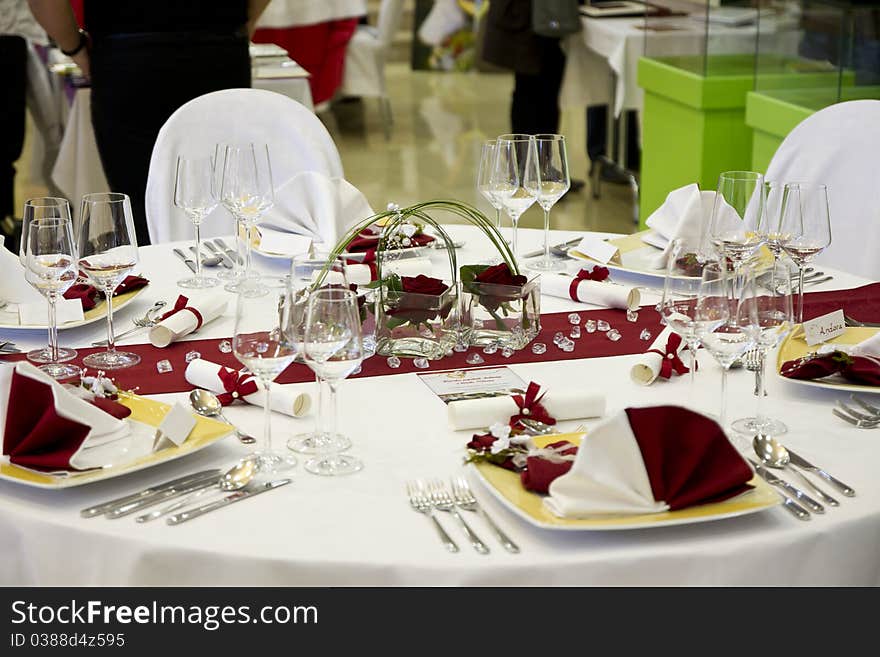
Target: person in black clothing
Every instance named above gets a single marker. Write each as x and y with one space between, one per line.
145 60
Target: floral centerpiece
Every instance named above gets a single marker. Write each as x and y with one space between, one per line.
499 306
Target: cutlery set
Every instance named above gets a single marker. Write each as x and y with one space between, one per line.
427 497
222 255
867 417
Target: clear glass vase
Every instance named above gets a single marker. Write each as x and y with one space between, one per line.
503 315
415 325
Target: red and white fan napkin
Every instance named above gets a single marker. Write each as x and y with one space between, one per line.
48 428
647 460
187 316
230 385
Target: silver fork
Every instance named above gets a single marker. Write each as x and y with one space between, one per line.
465 499
418 499
862 424
442 501
147 321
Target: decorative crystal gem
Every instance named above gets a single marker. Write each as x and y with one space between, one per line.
565 343
613 335
261 347
539 348
575 332
574 318
632 315
164 366
460 347
393 362
421 363
356 370
225 347
474 359
477 323
659 307
602 325
645 335
590 326
507 352
192 355
558 337
369 345
568 348
490 348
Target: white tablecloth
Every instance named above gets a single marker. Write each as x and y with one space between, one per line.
360 530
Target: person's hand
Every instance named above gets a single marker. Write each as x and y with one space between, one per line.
81 59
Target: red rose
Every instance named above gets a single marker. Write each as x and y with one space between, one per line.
422 284
500 275
416 302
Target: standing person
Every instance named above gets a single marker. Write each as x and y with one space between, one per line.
145 60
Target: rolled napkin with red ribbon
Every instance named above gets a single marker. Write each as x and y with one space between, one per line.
187 316
230 385
589 290
649 460
556 404
662 359
48 428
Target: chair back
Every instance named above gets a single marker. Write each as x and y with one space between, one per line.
390 14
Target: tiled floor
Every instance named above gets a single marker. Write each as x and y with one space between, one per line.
440 120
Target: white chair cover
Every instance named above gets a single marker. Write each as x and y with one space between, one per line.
365 57
838 147
297 139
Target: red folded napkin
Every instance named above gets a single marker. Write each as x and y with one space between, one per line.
88 294
540 472
864 370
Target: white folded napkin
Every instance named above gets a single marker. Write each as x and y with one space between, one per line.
210 306
599 293
560 404
285 398
317 206
607 477
869 347
289 244
647 369
684 214
362 274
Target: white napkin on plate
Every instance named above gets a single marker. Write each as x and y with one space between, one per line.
600 293
560 404
647 369
286 399
317 206
684 214
210 307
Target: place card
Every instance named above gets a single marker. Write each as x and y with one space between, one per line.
457 385
598 249
824 328
37 313
281 243
174 428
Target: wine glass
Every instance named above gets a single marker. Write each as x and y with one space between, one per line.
237 270
195 192
108 252
804 228
768 230
485 180
50 254
44 207
515 172
551 184
333 350
307 273
264 344
734 228
775 316
247 192
725 329
681 289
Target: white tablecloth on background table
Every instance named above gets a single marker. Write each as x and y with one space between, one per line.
360 530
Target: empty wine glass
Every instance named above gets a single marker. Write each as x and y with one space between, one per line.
333 350
681 289
768 230
515 173
551 185
804 228
196 193
237 257
45 207
773 308
264 344
247 191
50 254
734 228
108 252
485 180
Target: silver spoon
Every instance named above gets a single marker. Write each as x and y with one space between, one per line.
774 454
207 261
206 403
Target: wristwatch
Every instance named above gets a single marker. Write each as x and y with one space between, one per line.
83 41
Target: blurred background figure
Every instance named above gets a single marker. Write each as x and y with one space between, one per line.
145 60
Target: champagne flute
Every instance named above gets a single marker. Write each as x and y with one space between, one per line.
550 185
195 192
734 228
247 192
307 274
263 343
515 172
681 289
108 252
237 270
769 227
333 350
485 180
804 228
50 254
45 207
775 317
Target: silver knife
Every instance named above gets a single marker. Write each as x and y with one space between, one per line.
773 480
802 463
238 496
233 255
179 504
189 261
790 505
170 493
104 507
224 259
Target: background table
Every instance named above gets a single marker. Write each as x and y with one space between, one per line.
360 530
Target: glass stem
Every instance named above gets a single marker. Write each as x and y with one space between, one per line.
334 410
693 349
498 217
198 251
321 438
237 264
247 249
547 236
53 329
513 241
800 294
267 418
722 416
111 340
760 420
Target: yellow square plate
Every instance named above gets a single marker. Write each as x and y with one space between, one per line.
507 488
89 316
148 411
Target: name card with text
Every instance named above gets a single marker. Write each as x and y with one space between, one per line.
598 249
824 328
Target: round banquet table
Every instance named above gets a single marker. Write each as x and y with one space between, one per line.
360 529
